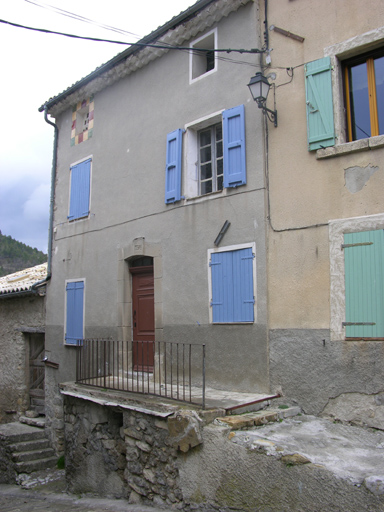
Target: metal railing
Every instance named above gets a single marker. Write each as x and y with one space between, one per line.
170 370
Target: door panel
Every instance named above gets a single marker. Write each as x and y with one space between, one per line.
143 315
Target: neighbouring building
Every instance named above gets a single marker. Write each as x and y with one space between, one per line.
22 332
325 206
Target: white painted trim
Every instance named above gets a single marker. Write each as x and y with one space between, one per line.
80 161
337 229
229 248
192 45
81 279
191 157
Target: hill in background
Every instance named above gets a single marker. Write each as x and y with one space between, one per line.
15 256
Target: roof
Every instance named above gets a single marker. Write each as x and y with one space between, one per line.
21 282
175 32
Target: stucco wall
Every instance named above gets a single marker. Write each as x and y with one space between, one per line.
16 316
307 192
128 148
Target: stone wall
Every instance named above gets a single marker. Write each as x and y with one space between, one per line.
17 316
121 453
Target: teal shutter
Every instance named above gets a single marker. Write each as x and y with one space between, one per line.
234 147
173 166
232 286
75 309
364 284
318 90
80 189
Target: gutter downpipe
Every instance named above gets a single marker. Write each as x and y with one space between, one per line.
53 180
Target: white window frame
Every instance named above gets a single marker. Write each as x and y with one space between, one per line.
337 229
90 157
229 248
80 279
191 171
193 57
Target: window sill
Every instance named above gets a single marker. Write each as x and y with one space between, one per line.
198 199
351 147
233 323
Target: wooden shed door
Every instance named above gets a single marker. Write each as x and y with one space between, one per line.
143 315
36 373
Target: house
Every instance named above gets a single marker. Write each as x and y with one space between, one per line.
22 321
325 207
159 217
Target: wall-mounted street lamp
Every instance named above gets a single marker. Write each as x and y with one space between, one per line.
259 87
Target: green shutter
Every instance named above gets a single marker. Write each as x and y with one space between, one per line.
319 103
364 284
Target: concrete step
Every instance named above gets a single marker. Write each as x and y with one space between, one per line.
33 455
254 419
35 465
27 446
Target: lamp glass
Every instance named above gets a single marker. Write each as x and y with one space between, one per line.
259 87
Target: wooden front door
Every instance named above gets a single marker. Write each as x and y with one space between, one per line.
36 373
143 317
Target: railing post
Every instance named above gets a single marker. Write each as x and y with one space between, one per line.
203 404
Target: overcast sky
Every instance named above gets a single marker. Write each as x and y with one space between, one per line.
37 66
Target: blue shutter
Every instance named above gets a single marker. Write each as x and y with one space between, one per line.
222 287
173 166
234 147
80 187
243 285
232 286
364 284
318 89
75 309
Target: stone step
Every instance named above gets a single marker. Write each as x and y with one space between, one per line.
254 419
28 433
33 455
34 422
27 446
35 465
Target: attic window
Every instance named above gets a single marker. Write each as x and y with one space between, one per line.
202 58
82 121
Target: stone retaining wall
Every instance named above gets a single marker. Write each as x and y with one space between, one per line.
120 453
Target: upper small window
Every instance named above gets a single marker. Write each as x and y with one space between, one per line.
82 121
364 93
202 58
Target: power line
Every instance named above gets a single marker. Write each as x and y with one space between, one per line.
144 45
78 17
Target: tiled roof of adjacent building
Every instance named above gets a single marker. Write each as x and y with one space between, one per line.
22 281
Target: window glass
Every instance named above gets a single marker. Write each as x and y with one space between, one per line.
364 88
360 102
211 159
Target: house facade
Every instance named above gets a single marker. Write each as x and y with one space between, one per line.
325 207
159 215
